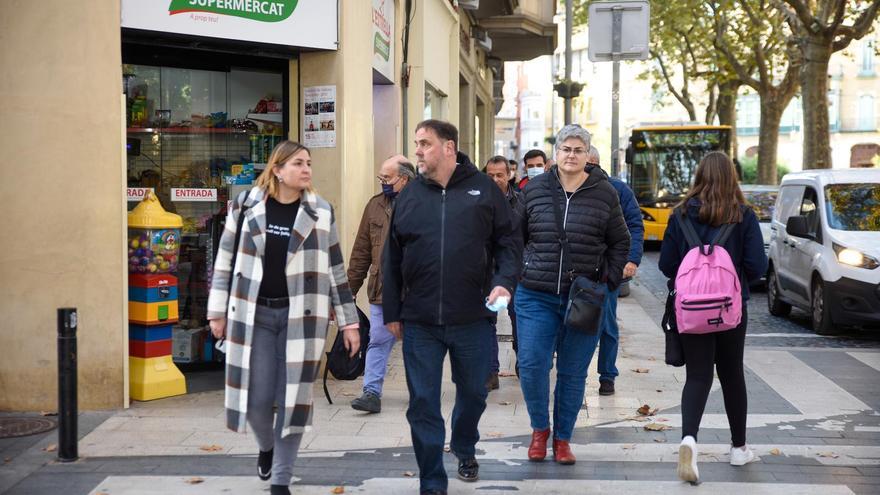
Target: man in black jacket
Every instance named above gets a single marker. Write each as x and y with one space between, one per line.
438 279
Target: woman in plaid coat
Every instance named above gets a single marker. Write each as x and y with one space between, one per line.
274 305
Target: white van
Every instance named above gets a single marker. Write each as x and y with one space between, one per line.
825 248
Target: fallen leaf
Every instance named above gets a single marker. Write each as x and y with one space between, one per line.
656 427
828 454
494 434
195 481
50 448
644 410
775 452
658 390
409 474
338 489
506 373
211 448
48 413
652 358
7 460
641 370
505 403
629 446
660 440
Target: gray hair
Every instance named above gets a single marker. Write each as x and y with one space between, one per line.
406 169
593 153
573 131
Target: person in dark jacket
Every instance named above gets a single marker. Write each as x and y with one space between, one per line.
610 332
714 200
497 168
366 254
599 242
446 228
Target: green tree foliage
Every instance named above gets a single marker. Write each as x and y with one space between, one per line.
750 170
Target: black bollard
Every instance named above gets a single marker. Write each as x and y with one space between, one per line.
67 402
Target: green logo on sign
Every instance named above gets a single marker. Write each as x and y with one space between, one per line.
257 10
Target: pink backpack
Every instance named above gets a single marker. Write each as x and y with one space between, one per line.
708 295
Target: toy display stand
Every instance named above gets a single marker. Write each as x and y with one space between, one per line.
153 249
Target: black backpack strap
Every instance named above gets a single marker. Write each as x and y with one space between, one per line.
723 234
326 392
690 235
238 236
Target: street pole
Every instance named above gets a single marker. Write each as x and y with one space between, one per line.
616 34
67 397
568 14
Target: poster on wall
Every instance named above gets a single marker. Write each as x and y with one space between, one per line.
319 116
383 38
300 23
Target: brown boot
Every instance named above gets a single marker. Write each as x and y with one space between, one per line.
562 452
538 447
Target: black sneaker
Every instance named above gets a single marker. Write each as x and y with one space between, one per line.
606 387
369 402
279 490
468 470
264 464
492 382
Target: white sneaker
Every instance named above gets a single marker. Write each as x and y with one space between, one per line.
740 457
687 460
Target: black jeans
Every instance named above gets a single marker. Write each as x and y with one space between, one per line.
722 351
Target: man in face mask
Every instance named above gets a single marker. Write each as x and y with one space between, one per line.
535 162
395 173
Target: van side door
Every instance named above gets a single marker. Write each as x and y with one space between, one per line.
801 250
787 204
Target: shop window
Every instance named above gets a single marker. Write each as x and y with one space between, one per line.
208 133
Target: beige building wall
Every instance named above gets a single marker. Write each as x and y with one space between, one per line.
62 182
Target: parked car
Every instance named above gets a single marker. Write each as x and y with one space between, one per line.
762 199
825 248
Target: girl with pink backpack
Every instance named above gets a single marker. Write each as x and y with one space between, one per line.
711 250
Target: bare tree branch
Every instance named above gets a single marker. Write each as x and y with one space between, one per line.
838 17
668 78
845 34
804 14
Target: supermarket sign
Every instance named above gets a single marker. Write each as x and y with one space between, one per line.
296 23
193 194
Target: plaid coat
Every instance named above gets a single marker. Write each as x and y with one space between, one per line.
316 281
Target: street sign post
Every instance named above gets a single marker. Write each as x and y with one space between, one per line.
618 31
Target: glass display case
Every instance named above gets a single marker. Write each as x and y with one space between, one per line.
197 137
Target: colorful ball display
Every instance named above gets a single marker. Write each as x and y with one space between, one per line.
153 250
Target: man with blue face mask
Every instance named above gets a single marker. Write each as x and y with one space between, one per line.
535 162
395 173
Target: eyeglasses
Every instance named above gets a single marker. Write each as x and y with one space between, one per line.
572 151
383 180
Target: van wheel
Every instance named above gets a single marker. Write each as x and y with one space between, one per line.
820 312
776 306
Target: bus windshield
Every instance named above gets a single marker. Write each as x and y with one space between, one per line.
664 161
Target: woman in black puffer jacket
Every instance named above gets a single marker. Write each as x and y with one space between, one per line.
598 239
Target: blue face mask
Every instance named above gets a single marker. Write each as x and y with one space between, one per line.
388 191
534 172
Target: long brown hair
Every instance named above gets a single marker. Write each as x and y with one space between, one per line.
279 156
717 189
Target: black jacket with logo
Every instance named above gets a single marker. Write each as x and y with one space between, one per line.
594 225
437 264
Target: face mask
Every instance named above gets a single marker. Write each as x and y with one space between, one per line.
534 172
388 190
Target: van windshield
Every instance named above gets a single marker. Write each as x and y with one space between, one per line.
853 206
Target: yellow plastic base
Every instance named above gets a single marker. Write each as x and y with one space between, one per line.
155 378
156 313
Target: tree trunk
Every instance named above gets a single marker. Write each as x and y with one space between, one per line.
727 111
814 90
768 138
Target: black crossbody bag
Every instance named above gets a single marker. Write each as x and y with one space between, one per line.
586 297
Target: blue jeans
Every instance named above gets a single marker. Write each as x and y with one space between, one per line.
381 343
424 349
608 337
540 331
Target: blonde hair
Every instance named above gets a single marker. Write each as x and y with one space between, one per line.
282 152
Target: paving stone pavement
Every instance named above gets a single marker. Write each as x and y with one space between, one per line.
814 424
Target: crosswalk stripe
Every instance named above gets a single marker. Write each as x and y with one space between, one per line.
154 485
837 455
802 386
872 359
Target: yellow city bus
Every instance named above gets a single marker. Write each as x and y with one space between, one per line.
661 161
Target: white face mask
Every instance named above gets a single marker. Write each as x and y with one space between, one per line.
534 172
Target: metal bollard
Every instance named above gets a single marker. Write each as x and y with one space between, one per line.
67 401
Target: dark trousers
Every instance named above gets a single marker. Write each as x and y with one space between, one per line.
424 350
704 353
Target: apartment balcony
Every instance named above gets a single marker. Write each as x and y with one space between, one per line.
519 29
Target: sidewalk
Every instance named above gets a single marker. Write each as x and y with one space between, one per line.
807 443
